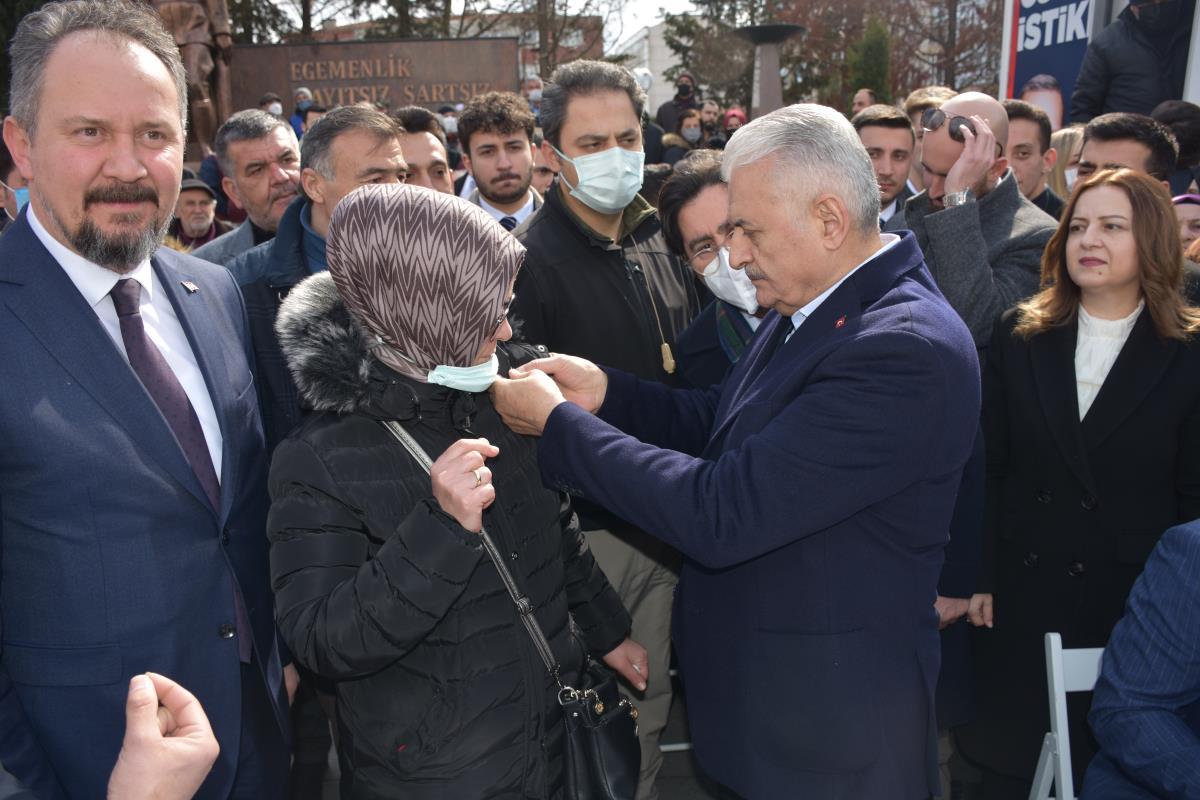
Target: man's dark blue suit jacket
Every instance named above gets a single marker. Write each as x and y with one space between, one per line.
811 494
1146 709
112 560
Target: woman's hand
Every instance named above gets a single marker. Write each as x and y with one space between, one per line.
462 485
629 660
980 610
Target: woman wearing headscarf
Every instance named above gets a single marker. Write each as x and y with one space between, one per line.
381 583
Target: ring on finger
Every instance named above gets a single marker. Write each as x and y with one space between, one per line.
478 477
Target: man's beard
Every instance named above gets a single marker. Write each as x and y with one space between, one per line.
196 228
508 197
120 253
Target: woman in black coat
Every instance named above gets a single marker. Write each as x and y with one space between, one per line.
1092 424
380 579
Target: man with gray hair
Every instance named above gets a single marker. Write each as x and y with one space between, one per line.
348 147
260 165
810 492
132 462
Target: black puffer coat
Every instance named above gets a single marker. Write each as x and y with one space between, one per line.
441 694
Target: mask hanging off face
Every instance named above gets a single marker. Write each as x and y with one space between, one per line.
21 196
729 284
478 378
606 181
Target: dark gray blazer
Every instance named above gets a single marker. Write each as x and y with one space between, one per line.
227 246
985 254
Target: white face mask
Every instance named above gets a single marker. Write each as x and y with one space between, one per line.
478 378
608 180
450 125
276 109
729 284
1070 175
535 95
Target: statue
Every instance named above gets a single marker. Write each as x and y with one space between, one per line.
201 29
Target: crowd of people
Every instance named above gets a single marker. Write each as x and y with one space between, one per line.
840 413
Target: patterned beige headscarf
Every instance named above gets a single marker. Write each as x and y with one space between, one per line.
428 273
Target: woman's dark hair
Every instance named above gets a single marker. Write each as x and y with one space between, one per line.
693 174
1159 254
686 114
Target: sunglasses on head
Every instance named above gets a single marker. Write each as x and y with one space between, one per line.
934 118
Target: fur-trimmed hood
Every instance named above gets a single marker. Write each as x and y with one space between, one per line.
327 350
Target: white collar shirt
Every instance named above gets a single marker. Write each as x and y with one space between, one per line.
520 215
888 240
159 319
888 211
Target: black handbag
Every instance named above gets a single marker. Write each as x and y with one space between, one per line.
603 757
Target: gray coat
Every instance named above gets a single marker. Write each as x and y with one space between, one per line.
985 254
227 246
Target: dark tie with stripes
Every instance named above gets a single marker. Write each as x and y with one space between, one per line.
508 223
169 395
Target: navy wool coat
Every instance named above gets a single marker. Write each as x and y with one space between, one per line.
811 494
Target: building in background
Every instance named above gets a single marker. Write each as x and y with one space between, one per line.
648 49
576 36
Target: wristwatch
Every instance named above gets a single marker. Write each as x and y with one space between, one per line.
952 199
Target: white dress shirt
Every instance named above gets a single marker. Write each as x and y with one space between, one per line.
158 317
520 215
888 211
888 240
1097 346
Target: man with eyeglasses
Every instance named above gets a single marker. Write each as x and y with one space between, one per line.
693 206
982 239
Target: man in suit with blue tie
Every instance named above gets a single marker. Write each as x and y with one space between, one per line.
811 492
1146 708
132 465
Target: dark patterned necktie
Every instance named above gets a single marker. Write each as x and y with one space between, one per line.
508 223
168 394
164 388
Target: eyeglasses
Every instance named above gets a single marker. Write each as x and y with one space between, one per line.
703 257
934 118
503 314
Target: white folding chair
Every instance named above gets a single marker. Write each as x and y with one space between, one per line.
1073 670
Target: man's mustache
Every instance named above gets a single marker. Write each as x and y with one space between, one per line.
291 190
120 193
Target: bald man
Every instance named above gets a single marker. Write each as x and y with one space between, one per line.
982 239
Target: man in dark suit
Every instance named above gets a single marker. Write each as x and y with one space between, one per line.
132 463
1146 708
811 492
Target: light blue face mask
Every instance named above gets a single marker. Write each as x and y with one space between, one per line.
21 195
478 378
608 180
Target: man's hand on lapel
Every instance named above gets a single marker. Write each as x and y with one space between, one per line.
579 380
525 401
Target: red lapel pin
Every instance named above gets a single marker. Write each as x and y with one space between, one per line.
841 321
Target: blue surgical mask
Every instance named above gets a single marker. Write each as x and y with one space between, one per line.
608 180
691 135
478 378
20 195
304 105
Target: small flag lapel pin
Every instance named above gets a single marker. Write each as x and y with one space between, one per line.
840 322
193 288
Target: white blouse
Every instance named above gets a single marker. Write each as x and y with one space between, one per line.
1097 346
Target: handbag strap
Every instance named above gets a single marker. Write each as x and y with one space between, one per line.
522 602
